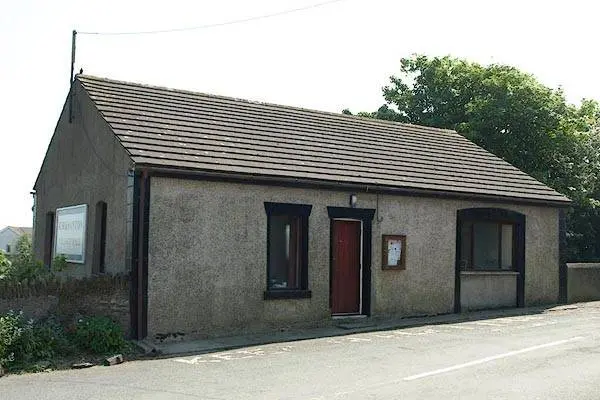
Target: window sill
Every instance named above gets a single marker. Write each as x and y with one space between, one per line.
287 294
483 272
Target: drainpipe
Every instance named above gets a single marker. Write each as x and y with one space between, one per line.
142 256
562 257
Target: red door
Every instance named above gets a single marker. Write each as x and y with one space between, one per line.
345 268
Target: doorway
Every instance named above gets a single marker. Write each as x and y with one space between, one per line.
346 267
344 221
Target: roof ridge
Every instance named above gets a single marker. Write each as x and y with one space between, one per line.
281 106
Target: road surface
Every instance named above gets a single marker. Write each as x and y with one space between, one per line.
552 355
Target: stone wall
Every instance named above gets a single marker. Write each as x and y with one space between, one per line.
583 282
103 295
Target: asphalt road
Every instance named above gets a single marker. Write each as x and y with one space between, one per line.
553 355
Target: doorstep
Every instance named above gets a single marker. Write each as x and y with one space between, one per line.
343 328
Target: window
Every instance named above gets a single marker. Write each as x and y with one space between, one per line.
487 245
8 248
98 266
287 250
48 238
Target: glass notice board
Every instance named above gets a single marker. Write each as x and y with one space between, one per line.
393 252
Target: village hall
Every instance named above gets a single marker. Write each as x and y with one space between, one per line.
230 215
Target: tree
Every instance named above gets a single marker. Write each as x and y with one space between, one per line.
24 267
5 266
511 114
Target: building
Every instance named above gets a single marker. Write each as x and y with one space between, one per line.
235 215
9 238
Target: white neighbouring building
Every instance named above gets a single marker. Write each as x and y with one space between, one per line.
9 237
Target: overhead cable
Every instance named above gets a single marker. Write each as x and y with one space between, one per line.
215 25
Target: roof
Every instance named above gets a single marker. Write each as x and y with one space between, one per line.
19 230
182 130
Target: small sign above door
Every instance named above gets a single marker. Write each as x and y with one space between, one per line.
393 255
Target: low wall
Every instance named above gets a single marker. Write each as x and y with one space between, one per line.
583 282
480 290
68 299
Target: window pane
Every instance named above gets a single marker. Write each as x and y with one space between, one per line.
465 245
507 241
486 241
284 252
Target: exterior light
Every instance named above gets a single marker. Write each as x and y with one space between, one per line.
353 200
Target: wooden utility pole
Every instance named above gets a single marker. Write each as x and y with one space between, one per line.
73 43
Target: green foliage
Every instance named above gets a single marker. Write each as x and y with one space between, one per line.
5 267
50 340
24 253
59 263
100 335
23 342
512 115
11 331
23 267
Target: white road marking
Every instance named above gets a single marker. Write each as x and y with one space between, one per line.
235 355
505 321
385 336
459 327
492 358
427 331
487 324
356 339
545 323
526 318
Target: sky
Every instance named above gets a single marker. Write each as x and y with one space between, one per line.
330 57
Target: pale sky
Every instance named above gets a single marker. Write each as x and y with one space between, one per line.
329 58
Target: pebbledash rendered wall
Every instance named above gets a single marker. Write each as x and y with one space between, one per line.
207 256
85 168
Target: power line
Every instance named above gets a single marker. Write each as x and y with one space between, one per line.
218 24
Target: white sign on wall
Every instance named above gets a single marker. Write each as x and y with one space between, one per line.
70 233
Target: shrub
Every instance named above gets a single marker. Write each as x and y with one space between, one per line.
100 335
5 267
24 265
25 341
50 339
11 330
59 263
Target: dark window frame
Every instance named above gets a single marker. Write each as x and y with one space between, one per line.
49 223
493 214
293 210
499 224
101 214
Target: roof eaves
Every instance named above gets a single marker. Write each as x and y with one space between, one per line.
560 201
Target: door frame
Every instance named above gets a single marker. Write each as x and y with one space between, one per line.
365 216
360 274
